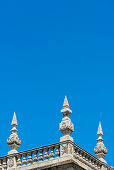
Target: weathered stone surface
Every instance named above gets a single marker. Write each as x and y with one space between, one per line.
66 126
100 150
13 141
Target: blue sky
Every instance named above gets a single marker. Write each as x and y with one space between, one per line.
49 49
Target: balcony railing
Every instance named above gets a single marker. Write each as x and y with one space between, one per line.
49 152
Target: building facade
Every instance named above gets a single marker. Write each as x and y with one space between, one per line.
65 155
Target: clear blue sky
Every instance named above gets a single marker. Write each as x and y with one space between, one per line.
49 49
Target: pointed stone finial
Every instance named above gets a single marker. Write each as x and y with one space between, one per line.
14 120
100 132
100 150
66 126
13 141
65 104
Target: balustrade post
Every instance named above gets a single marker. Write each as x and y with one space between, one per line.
95 164
24 160
66 148
4 165
52 153
41 155
103 167
98 166
57 152
11 162
35 158
0 163
46 155
19 160
30 157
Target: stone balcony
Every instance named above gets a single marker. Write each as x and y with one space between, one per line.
53 156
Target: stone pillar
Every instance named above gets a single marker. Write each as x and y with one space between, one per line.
66 127
11 163
13 142
100 150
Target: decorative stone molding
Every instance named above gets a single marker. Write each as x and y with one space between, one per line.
66 149
10 162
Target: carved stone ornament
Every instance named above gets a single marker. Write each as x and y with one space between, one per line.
67 149
10 162
100 150
13 141
66 126
64 149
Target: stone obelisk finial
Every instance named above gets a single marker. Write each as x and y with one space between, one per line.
13 141
66 126
100 150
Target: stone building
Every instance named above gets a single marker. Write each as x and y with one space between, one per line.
59 156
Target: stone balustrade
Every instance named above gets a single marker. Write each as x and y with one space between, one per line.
63 153
88 159
31 156
50 152
38 154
